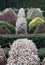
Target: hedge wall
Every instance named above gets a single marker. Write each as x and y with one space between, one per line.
38 39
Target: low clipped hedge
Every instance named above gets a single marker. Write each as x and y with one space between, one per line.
5 42
9 26
8 39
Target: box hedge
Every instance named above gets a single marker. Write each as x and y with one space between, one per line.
8 39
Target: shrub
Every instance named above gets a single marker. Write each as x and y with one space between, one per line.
34 23
21 24
6 51
4 30
41 53
10 16
9 26
40 29
23 51
34 12
5 42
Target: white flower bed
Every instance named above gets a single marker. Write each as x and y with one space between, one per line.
23 52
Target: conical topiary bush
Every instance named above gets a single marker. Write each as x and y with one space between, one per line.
21 24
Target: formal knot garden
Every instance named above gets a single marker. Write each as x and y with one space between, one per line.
22 36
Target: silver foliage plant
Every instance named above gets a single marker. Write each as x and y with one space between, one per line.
34 12
21 24
23 52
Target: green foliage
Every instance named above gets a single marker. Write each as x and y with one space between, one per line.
32 28
34 23
41 53
6 51
22 3
9 26
38 39
2 4
5 42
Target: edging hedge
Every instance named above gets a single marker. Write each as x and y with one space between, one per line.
8 39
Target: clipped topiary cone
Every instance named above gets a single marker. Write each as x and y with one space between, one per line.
40 29
2 57
21 23
43 61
